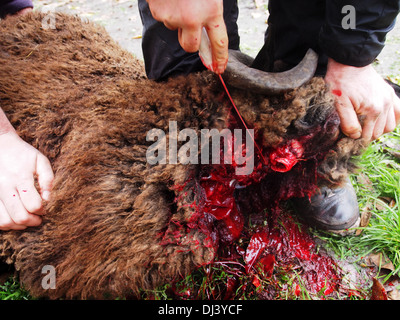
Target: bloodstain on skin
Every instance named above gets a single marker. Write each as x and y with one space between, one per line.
24 190
216 26
337 92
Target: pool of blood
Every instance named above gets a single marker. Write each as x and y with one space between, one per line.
228 200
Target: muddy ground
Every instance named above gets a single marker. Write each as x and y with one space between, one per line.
121 19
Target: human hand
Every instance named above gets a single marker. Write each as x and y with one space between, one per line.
189 17
20 202
362 92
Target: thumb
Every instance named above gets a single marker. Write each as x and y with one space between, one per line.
45 176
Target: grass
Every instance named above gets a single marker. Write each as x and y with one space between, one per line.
11 290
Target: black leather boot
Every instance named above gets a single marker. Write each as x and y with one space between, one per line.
334 210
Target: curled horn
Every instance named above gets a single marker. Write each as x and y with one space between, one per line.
239 74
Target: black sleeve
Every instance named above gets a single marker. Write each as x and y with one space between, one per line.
360 46
13 6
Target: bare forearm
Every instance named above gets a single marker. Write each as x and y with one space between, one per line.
5 125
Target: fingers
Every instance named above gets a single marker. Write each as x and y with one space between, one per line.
396 109
219 44
379 117
6 223
189 40
20 207
189 17
389 117
16 211
45 176
30 198
361 91
21 203
348 118
370 127
390 124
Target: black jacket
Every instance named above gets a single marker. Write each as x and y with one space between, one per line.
298 25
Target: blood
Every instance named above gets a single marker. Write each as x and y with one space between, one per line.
337 92
258 243
228 204
378 291
219 183
267 264
291 244
229 199
286 156
231 285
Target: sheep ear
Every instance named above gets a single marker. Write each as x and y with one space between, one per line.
240 75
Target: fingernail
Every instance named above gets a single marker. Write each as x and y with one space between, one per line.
46 195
